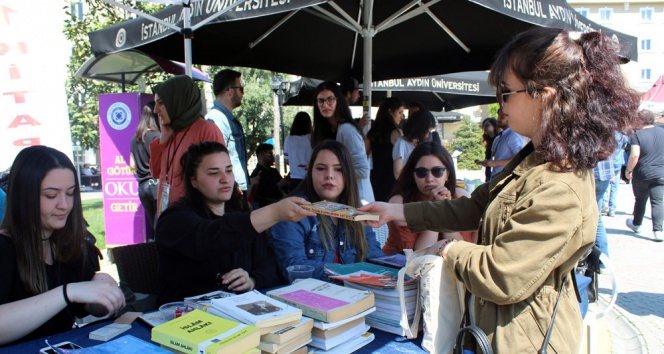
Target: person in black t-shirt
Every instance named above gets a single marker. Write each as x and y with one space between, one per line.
269 189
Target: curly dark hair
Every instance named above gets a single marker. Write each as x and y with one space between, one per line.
590 100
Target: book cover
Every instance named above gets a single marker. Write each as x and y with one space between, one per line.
339 211
126 344
371 279
344 269
284 334
324 301
410 290
257 309
333 332
329 343
203 300
396 260
292 344
200 332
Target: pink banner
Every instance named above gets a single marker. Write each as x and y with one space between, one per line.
124 217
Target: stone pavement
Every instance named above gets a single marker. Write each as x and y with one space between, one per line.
637 323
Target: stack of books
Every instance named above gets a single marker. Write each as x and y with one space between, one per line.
382 281
199 332
281 326
338 313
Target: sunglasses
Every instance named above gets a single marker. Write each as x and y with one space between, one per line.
423 172
505 94
241 88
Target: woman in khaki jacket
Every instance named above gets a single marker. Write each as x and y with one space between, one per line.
538 216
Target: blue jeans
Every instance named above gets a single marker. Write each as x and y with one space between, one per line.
601 239
613 191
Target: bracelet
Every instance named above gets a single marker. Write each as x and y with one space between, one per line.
443 244
629 172
64 294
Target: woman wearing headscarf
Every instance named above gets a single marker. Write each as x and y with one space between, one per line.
178 105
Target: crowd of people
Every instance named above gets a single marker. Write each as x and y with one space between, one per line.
512 242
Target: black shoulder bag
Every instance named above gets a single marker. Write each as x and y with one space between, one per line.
481 339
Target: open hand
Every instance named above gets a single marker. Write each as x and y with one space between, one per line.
288 209
386 211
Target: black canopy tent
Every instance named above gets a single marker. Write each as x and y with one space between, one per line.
437 93
336 39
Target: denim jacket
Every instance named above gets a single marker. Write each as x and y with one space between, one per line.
298 243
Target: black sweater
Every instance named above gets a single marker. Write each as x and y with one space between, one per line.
194 248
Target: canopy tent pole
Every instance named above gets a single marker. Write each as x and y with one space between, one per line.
368 33
187 31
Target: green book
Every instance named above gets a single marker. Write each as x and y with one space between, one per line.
199 332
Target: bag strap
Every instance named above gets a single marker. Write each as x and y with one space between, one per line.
480 338
410 329
545 344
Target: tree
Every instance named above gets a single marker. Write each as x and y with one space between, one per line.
468 140
82 94
493 110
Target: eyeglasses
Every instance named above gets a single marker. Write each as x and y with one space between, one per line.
505 94
241 88
330 100
423 172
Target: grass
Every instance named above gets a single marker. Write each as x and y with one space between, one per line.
93 211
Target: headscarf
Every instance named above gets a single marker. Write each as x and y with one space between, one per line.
182 100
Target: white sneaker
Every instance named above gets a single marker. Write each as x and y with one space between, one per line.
659 236
635 228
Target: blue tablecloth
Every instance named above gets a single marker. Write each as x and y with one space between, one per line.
383 343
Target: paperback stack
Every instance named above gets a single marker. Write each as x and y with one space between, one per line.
338 312
382 281
200 332
282 327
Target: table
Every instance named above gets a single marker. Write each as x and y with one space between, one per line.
383 343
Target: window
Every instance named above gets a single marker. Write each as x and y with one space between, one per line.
605 13
583 11
646 14
645 74
645 44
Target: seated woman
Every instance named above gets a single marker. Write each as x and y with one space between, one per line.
47 269
427 176
205 243
321 239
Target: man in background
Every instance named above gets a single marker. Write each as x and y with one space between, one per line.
270 183
504 147
228 91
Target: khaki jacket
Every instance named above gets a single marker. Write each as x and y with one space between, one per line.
534 224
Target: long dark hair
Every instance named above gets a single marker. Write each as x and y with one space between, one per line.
23 216
301 124
384 124
190 162
354 234
322 127
494 123
591 98
418 125
406 185
147 122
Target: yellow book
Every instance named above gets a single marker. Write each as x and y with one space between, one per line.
198 332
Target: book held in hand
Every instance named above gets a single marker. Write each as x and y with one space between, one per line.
324 301
199 332
340 211
257 309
